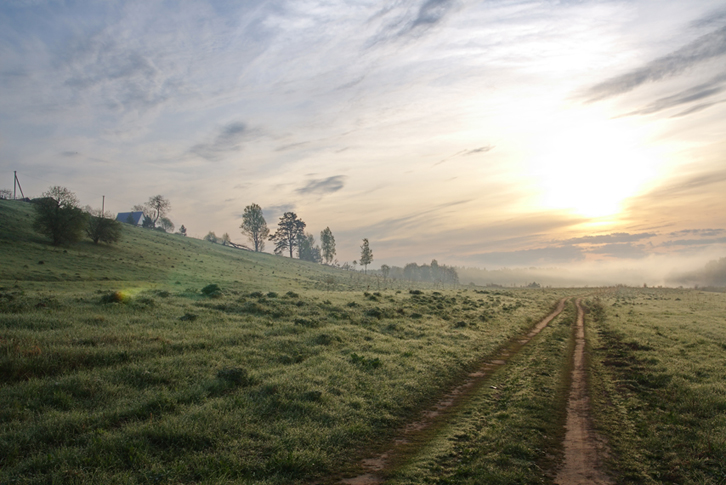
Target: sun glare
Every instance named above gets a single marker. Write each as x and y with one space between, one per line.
591 167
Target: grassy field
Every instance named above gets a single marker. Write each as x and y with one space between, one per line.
165 359
658 367
120 364
511 431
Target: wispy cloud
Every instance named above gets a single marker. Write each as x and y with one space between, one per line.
616 237
705 48
229 139
622 250
323 186
697 232
412 21
697 93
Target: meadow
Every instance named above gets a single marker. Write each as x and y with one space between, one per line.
658 383
168 359
165 359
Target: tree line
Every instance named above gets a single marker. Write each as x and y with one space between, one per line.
59 217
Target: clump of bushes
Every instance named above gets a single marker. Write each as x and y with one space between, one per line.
212 291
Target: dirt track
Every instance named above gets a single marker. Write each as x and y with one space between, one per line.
406 440
582 449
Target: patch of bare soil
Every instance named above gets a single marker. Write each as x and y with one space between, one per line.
410 436
582 464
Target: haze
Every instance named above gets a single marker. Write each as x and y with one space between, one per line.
581 135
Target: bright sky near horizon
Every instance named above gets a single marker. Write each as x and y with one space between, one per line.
489 134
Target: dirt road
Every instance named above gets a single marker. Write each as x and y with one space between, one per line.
409 439
582 449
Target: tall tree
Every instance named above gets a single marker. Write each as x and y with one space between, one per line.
211 237
289 229
183 230
386 270
158 206
254 226
327 245
226 240
58 216
307 250
366 255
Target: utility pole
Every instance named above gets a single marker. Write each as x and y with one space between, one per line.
103 206
16 183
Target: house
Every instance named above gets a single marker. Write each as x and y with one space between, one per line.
133 218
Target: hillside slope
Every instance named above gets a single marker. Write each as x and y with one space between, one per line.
145 258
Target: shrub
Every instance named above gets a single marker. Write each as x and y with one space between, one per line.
58 216
213 290
101 229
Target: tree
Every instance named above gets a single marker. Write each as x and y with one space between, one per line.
288 232
366 255
183 230
6 194
166 224
307 250
103 229
226 239
327 243
158 207
254 226
386 270
58 216
211 237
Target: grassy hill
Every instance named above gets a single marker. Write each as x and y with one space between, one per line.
147 259
116 368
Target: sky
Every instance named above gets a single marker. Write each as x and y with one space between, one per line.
484 134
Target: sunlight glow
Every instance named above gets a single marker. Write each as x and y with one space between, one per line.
591 166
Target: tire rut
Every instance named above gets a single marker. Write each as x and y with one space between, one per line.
582 463
413 436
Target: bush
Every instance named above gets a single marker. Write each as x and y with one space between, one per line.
58 216
213 290
101 229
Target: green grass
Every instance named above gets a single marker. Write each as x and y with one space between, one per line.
120 364
658 366
511 430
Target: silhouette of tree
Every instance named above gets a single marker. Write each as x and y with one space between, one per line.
58 216
254 226
366 255
289 230
327 243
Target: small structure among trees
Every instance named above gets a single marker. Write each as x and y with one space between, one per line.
135 218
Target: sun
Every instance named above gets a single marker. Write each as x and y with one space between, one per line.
590 167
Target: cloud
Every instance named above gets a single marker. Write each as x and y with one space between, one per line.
228 140
465 153
696 93
616 237
704 48
694 242
323 186
700 232
483 149
412 22
621 250
70 154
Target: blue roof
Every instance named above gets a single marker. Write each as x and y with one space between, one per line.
136 217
